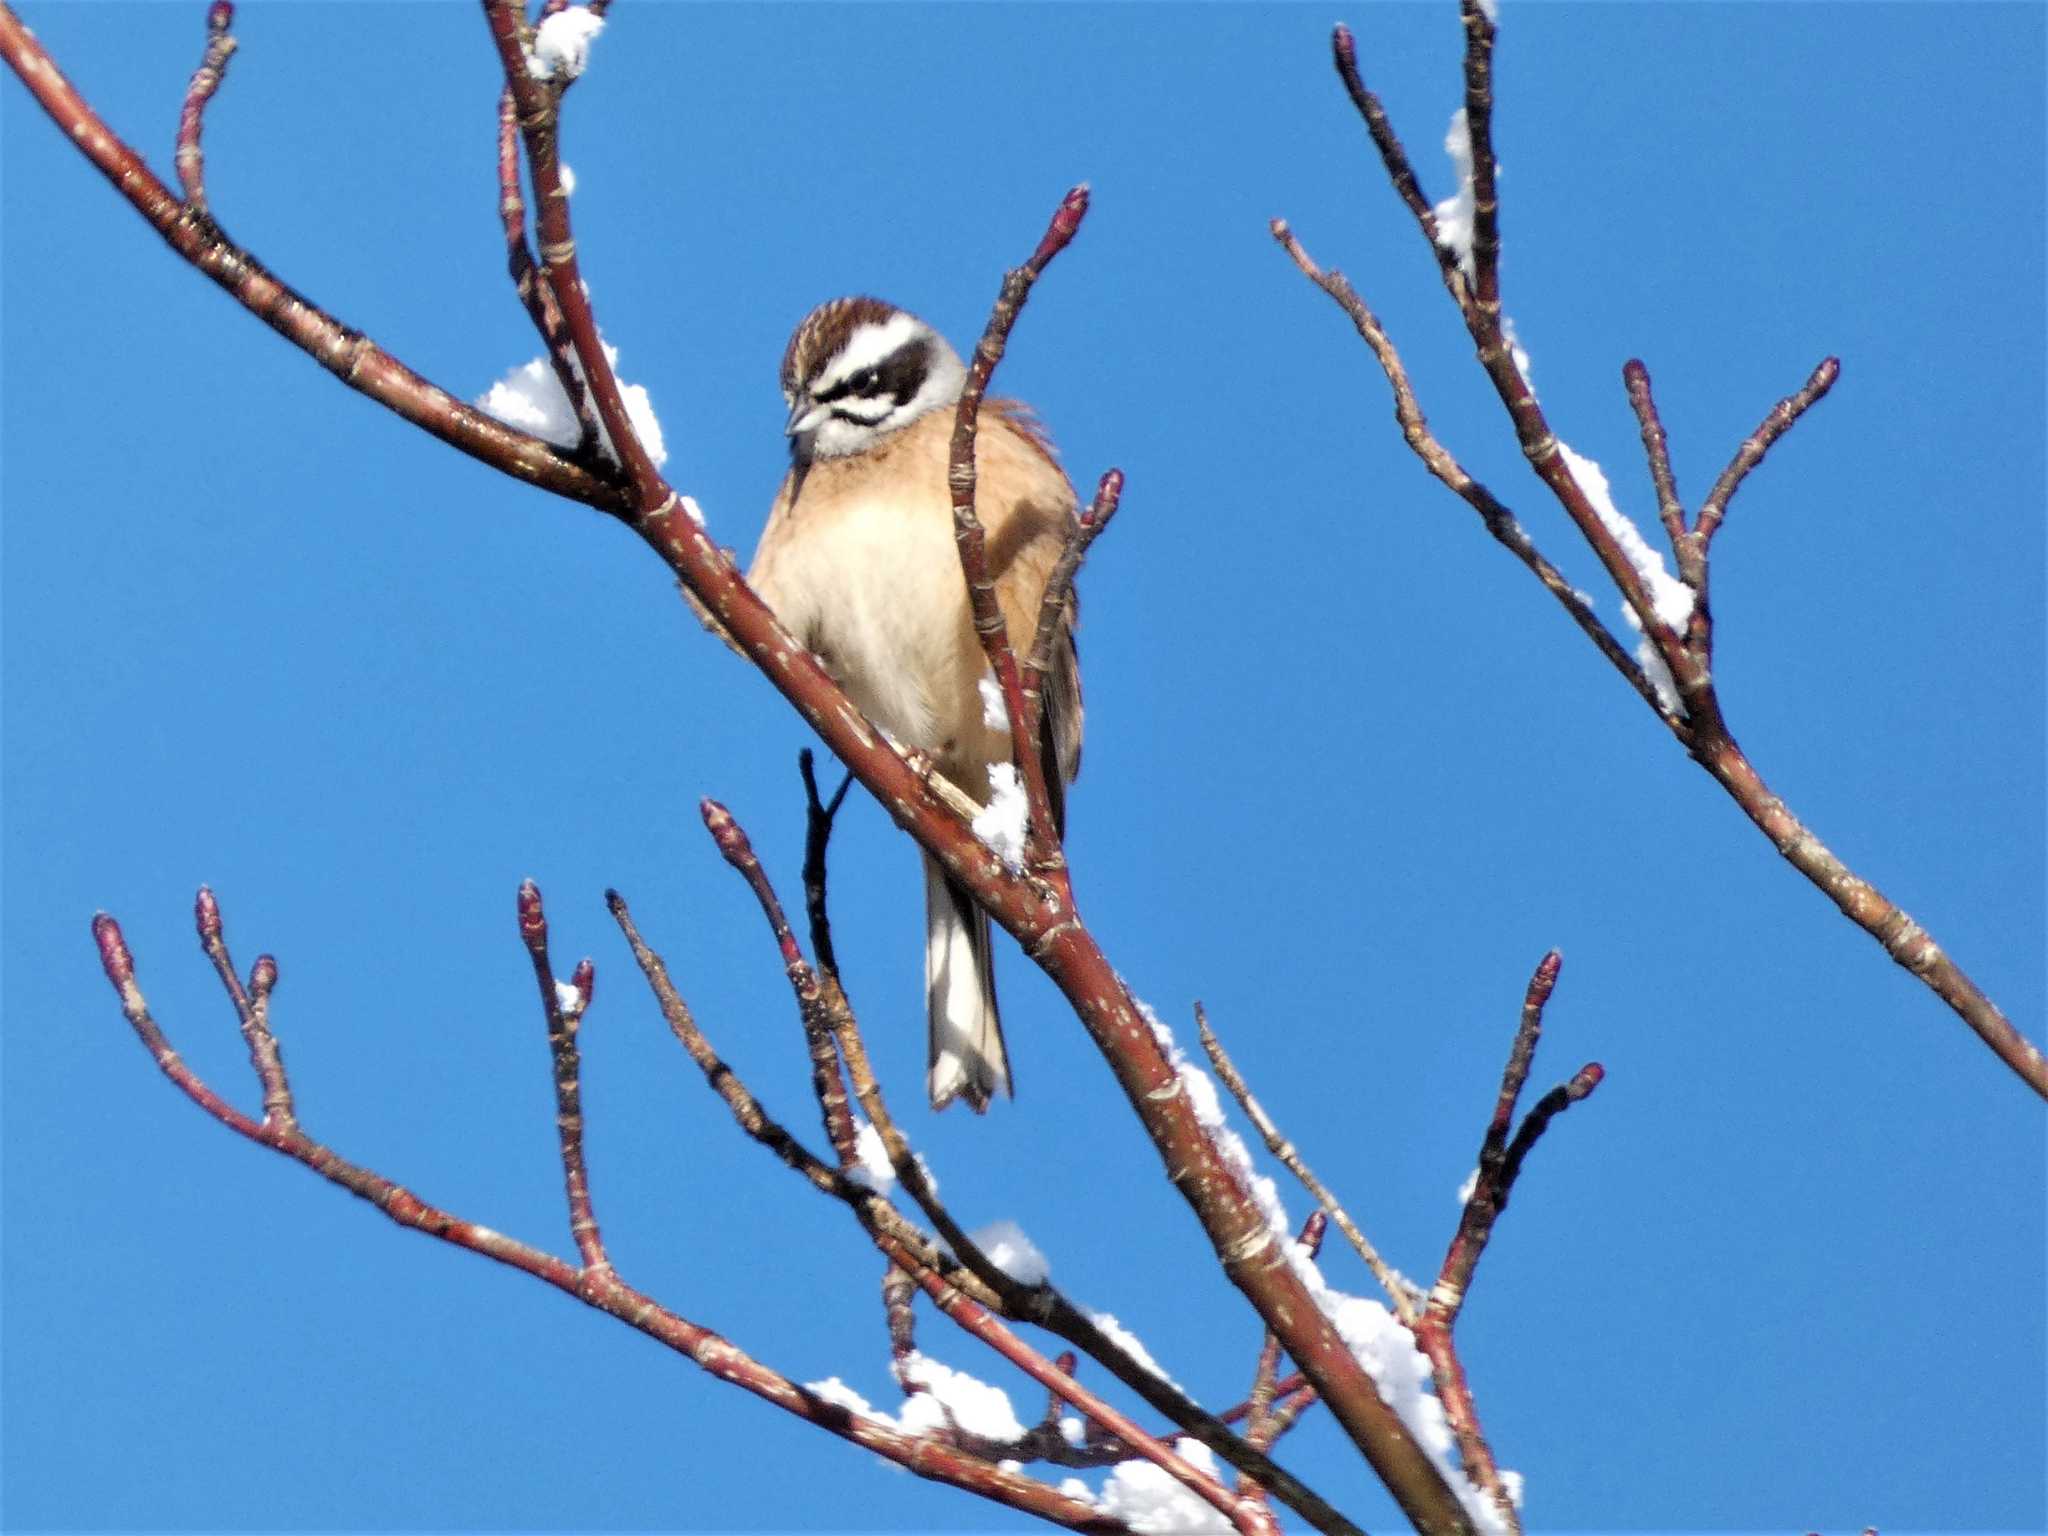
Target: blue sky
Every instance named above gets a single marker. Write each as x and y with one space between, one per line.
1349 772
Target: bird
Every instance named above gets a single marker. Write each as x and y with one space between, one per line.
858 562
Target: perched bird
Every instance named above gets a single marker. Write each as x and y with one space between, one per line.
859 563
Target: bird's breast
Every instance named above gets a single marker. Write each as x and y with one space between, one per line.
888 610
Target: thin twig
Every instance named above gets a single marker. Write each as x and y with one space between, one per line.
1059 587
1702 729
1039 913
826 1083
818 818
534 295
1398 1290
348 354
565 1018
897 1291
601 1289
206 79
1043 1304
537 102
1774 426
1479 34
1500 1163
1246 1515
1400 169
1657 449
1438 460
1263 1420
961 477
265 1057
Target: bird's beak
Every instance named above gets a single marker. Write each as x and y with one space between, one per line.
803 417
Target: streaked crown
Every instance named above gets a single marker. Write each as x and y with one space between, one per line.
858 369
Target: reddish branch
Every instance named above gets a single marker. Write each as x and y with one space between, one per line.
535 102
565 1018
1041 1303
596 1286
348 354
1499 520
537 297
206 79
1038 913
1699 723
826 1082
1500 1163
1043 854
1059 588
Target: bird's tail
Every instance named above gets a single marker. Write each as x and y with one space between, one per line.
967 1056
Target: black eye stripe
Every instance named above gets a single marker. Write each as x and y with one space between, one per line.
899 375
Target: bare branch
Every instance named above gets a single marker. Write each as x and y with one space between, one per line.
1394 157
564 1018
826 1082
536 102
1702 728
1038 912
1656 448
1398 1290
1059 587
961 477
1499 520
1500 1163
1758 443
206 79
348 354
534 295
818 818
599 1288
252 1009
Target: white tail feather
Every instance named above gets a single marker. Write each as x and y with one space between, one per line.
967 1058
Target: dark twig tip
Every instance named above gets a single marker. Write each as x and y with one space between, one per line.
1634 374
114 957
220 15
1344 47
263 974
1312 1231
614 903
206 914
584 979
1585 1080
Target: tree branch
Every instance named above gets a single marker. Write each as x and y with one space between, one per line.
597 1287
1686 651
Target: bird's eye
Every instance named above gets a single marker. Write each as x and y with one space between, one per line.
866 382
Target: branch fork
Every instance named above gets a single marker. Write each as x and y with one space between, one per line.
1695 717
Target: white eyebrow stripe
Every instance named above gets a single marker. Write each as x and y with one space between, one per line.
869 347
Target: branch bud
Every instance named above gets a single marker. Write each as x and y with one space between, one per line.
1066 222
533 920
206 914
114 957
